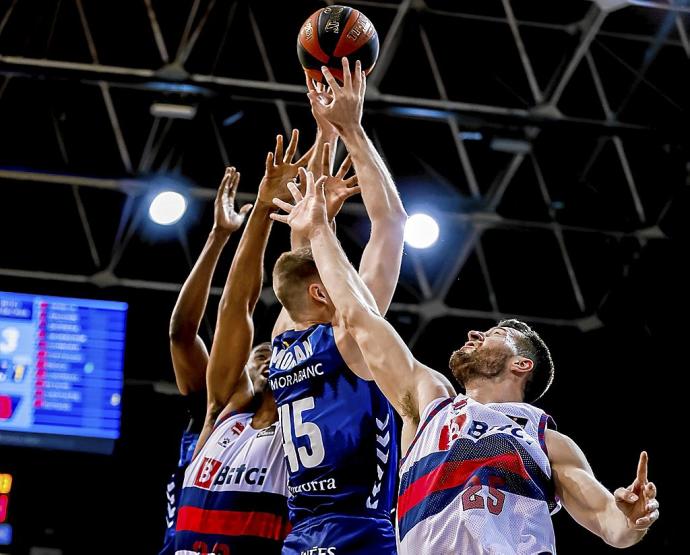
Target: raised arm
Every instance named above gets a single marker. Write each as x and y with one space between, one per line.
408 384
380 265
338 188
621 519
228 384
189 354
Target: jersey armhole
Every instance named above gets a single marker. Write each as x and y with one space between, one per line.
218 422
428 414
545 422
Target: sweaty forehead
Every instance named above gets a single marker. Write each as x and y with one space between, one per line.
262 350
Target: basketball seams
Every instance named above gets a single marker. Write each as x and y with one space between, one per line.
333 33
328 34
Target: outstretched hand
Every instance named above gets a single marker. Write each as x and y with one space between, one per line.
342 108
225 217
280 169
309 211
638 501
321 95
336 187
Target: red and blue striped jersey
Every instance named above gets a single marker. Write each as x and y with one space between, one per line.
477 479
234 497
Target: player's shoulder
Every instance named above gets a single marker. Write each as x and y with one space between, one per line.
432 387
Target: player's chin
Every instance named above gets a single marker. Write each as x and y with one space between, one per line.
260 383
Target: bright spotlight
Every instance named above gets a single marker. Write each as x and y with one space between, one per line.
421 231
167 207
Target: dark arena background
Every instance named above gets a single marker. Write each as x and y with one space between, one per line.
548 139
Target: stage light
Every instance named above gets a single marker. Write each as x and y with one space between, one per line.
421 231
167 207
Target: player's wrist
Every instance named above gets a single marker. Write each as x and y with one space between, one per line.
264 205
326 134
317 229
219 233
352 133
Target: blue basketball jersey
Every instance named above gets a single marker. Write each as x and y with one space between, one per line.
174 488
339 431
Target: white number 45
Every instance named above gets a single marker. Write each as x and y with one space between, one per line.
301 429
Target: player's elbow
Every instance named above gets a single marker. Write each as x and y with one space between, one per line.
184 387
618 541
393 220
180 331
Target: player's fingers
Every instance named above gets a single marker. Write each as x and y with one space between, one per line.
624 495
278 217
330 80
344 167
652 506
650 490
245 209
351 182
319 188
357 79
646 521
292 146
234 184
347 76
310 82
352 191
269 160
278 154
642 468
286 206
294 189
223 185
309 180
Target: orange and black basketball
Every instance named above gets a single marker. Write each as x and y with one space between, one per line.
335 32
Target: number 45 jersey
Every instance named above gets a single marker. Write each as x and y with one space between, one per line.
477 480
338 430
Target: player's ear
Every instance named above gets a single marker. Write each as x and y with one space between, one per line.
521 365
318 293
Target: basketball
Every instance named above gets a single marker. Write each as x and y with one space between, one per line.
335 32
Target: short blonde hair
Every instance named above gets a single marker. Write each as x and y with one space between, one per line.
292 272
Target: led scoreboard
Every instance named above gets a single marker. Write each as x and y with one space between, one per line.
61 371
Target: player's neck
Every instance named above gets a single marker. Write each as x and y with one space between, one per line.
485 391
266 412
309 318
304 324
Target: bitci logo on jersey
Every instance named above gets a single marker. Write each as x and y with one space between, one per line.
208 469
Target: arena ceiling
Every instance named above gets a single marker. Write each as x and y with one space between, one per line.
548 138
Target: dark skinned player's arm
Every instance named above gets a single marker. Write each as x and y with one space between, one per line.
187 349
227 381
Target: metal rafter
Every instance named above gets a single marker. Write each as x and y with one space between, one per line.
156 30
452 122
432 305
105 90
593 22
558 232
390 45
524 58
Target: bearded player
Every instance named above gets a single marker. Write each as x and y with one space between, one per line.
483 470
